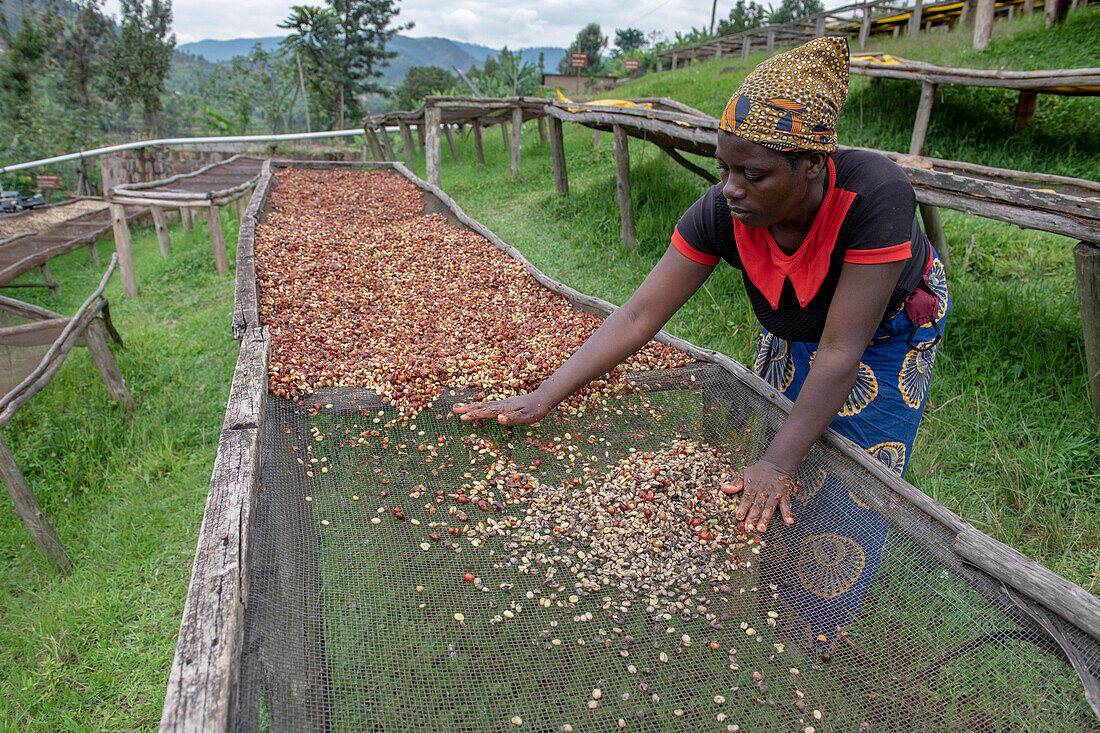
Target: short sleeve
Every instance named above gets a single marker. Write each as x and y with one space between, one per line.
882 225
696 234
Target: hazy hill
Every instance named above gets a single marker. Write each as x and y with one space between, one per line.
431 51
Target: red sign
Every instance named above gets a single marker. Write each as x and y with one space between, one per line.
48 181
631 65
579 60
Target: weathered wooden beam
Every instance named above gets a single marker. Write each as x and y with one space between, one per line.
517 128
933 227
387 144
93 253
1025 108
217 240
542 129
504 133
622 185
28 509
407 146
185 219
864 28
479 145
432 152
746 48
204 679
450 133
914 19
923 117
697 170
163 240
597 138
47 276
1030 578
123 248
983 24
557 157
1086 263
96 341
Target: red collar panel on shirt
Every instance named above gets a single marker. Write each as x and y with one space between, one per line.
769 267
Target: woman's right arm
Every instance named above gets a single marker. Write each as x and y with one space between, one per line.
667 287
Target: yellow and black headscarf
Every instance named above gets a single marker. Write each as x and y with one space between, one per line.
792 100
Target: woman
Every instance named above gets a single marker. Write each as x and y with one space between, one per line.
850 295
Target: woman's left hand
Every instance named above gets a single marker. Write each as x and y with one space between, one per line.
764 487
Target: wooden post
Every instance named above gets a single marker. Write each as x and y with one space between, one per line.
185 219
1025 108
622 187
597 139
450 132
771 41
965 12
122 246
433 154
517 128
914 19
217 240
420 135
375 146
933 227
50 282
240 204
675 59
162 231
387 144
930 215
819 26
504 132
865 28
746 48
924 115
94 253
479 148
1086 263
660 63
26 506
557 157
542 129
1029 7
407 145
107 366
983 24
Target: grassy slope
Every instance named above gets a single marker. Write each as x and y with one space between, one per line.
1009 441
126 491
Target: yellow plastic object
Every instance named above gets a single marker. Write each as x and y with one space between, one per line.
885 58
603 102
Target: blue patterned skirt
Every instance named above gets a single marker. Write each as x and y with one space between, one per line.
822 565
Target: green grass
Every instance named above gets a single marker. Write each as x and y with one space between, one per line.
91 651
1009 440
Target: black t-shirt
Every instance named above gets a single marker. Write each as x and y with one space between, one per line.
868 216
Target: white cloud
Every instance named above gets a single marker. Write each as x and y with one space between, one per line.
517 24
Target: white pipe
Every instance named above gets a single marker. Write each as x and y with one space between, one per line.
182 141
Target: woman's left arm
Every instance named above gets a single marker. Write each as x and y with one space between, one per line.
855 313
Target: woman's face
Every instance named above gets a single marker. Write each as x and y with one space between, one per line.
760 187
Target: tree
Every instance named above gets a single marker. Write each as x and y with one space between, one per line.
257 85
82 55
364 31
421 81
743 16
21 64
793 9
591 42
629 39
314 44
141 55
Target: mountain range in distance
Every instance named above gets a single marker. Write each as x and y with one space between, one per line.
430 51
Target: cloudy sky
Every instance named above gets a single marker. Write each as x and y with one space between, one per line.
517 24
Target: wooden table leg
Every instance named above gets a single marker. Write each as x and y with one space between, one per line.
107 366
122 246
26 506
162 231
1086 261
217 240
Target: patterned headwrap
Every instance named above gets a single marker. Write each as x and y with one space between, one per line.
792 100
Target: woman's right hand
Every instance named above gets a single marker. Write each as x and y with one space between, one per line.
519 410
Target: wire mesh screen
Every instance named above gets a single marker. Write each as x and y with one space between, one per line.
439 576
20 353
411 571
